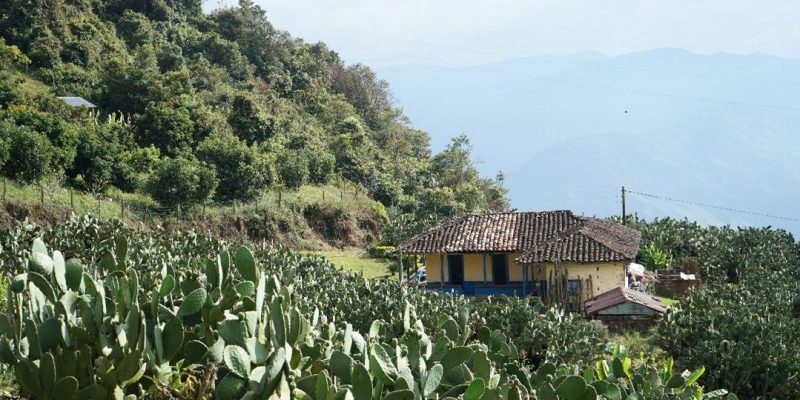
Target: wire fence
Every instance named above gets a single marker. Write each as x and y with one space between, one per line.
125 205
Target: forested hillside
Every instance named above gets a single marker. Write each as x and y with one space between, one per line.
195 108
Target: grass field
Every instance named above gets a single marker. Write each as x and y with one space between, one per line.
357 260
667 301
347 198
110 204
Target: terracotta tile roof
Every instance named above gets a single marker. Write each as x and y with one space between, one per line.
621 295
546 236
594 240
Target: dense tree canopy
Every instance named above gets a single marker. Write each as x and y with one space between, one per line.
255 105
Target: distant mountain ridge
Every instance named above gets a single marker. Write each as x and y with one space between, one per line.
569 131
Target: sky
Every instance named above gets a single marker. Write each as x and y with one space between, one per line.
382 33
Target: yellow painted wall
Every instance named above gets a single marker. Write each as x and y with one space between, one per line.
432 269
515 272
473 267
604 276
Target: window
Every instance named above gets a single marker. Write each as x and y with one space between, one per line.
500 269
573 287
455 265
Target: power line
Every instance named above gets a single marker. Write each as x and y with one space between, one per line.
713 206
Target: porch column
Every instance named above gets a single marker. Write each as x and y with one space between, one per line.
524 280
484 268
441 271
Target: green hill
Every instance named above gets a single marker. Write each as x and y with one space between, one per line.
198 111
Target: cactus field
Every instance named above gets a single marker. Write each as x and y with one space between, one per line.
95 310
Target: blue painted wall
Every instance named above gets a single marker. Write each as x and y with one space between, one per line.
478 288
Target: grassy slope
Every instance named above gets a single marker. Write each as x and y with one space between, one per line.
327 194
357 260
284 205
109 206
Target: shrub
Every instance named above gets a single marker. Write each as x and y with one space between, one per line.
135 29
796 308
380 212
404 226
31 153
5 143
379 251
387 189
241 173
182 182
62 136
169 127
248 121
133 165
321 164
653 258
95 160
292 169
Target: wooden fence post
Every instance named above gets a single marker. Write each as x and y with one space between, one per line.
71 199
179 211
400 270
203 215
41 193
122 204
4 188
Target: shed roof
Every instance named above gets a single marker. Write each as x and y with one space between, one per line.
619 296
76 101
544 236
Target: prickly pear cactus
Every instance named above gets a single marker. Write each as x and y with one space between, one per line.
146 314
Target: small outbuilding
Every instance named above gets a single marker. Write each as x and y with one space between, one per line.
674 283
622 307
77 101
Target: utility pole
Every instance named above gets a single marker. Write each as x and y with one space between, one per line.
624 217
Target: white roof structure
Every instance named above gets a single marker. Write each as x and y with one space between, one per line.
77 102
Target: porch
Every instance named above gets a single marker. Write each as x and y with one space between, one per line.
480 289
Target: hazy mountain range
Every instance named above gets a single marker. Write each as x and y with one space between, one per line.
569 131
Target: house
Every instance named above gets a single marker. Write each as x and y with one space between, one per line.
556 255
621 308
